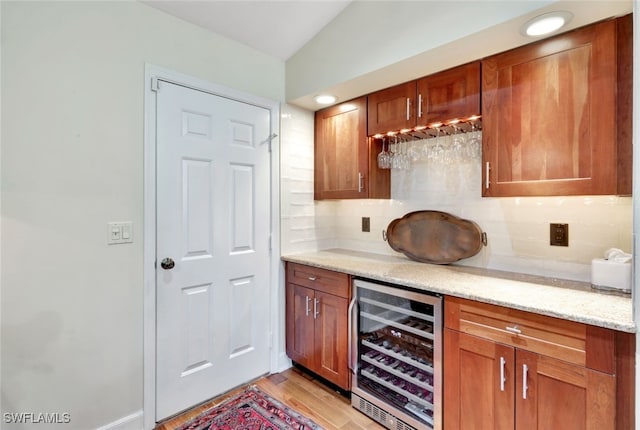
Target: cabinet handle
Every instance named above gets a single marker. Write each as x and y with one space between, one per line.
486 175
307 310
316 312
360 182
408 108
419 105
312 278
353 362
503 379
514 329
525 370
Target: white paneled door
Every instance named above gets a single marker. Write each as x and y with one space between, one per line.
213 231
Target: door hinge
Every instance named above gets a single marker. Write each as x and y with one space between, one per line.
270 242
270 139
155 85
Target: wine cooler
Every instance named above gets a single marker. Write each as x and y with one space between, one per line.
396 356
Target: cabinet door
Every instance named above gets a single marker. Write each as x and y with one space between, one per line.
331 338
392 109
479 383
300 324
549 112
341 151
553 394
451 94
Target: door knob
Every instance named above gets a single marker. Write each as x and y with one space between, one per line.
167 263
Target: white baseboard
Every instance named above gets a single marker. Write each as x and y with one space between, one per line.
133 421
284 362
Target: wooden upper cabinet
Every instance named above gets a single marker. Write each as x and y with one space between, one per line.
345 158
624 33
392 109
454 93
549 116
341 151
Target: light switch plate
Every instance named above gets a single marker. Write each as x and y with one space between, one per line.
119 232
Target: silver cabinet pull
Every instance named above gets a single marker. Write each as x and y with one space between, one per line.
525 370
419 105
514 329
353 362
316 311
408 108
307 310
312 278
360 182
487 167
503 379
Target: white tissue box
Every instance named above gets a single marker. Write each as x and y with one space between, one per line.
611 274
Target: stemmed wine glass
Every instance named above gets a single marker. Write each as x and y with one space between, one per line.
437 152
402 159
393 162
474 144
412 152
384 158
457 146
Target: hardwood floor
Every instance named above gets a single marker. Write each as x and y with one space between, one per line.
301 392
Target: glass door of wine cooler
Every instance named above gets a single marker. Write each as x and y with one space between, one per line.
396 356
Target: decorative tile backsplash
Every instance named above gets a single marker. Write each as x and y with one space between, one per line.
517 228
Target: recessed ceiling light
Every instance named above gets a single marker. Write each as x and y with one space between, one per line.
546 23
325 99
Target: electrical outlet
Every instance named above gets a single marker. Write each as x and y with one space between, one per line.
558 234
366 224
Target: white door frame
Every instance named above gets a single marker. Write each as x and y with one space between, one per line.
153 73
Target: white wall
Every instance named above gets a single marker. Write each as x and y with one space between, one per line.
517 228
375 44
72 158
72 130
305 225
368 36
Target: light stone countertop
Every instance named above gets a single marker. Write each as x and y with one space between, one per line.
571 300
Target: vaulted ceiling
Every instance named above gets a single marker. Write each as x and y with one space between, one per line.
278 28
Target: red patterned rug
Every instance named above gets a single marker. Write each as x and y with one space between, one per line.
250 410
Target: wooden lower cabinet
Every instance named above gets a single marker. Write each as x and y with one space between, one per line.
504 384
316 321
300 328
331 339
473 395
553 394
494 386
